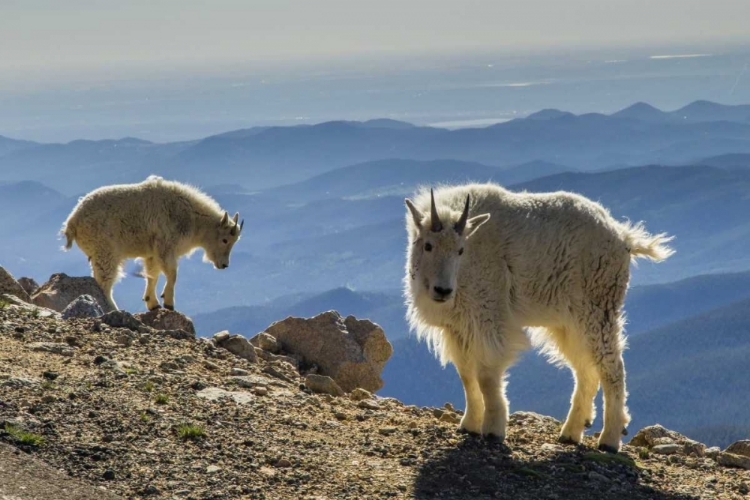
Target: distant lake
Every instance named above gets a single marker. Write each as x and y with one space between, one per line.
477 90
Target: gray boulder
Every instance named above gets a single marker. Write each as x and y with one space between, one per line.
323 385
237 345
165 319
121 319
9 285
61 290
84 306
350 351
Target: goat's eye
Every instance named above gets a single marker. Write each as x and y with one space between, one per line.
428 247
225 240
461 252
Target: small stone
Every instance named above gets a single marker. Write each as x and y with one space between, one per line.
360 394
283 463
387 431
237 345
100 359
437 412
743 488
340 415
239 372
713 452
50 375
198 385
109 475
267 342
450 417
212 469
693 448
52 347
85 306
368 404
121 319
323 385
666 449
210 365
595 476
260 391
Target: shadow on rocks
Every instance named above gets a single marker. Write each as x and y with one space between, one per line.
481 469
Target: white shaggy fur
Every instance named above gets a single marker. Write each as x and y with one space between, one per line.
555 263
156 220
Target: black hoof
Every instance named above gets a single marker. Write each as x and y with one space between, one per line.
157 306
494 438
566 440
467 432
587 424
624 431
607 448
171 308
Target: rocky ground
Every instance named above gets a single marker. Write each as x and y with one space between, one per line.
148 413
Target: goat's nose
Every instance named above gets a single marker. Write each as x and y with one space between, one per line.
443 291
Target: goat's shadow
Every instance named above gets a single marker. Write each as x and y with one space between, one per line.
480 469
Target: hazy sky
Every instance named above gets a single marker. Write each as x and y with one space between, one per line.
86 33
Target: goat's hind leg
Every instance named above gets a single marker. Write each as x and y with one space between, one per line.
106 270
151 271
572 346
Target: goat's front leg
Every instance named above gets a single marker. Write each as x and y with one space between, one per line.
492 386
472 419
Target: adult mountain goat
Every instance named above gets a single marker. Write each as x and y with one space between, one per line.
556 262
156 220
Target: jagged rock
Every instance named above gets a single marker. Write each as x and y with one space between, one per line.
52 347
28 284
732 460
267 356
237 345
666 449
655 435
360 394
351 351
121 319
42 312
62 289
266 342
217 394
249 381
9 285
713 452
84 306
691 447
165 319
739 448
323 385
19 382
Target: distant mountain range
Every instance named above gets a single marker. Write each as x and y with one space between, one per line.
264 157
311 239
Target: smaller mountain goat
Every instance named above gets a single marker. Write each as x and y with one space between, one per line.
556 263
156 220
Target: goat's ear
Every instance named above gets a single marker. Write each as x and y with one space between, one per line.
236 217
475 222
224 219
416 215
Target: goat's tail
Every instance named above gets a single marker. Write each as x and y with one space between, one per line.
641 243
